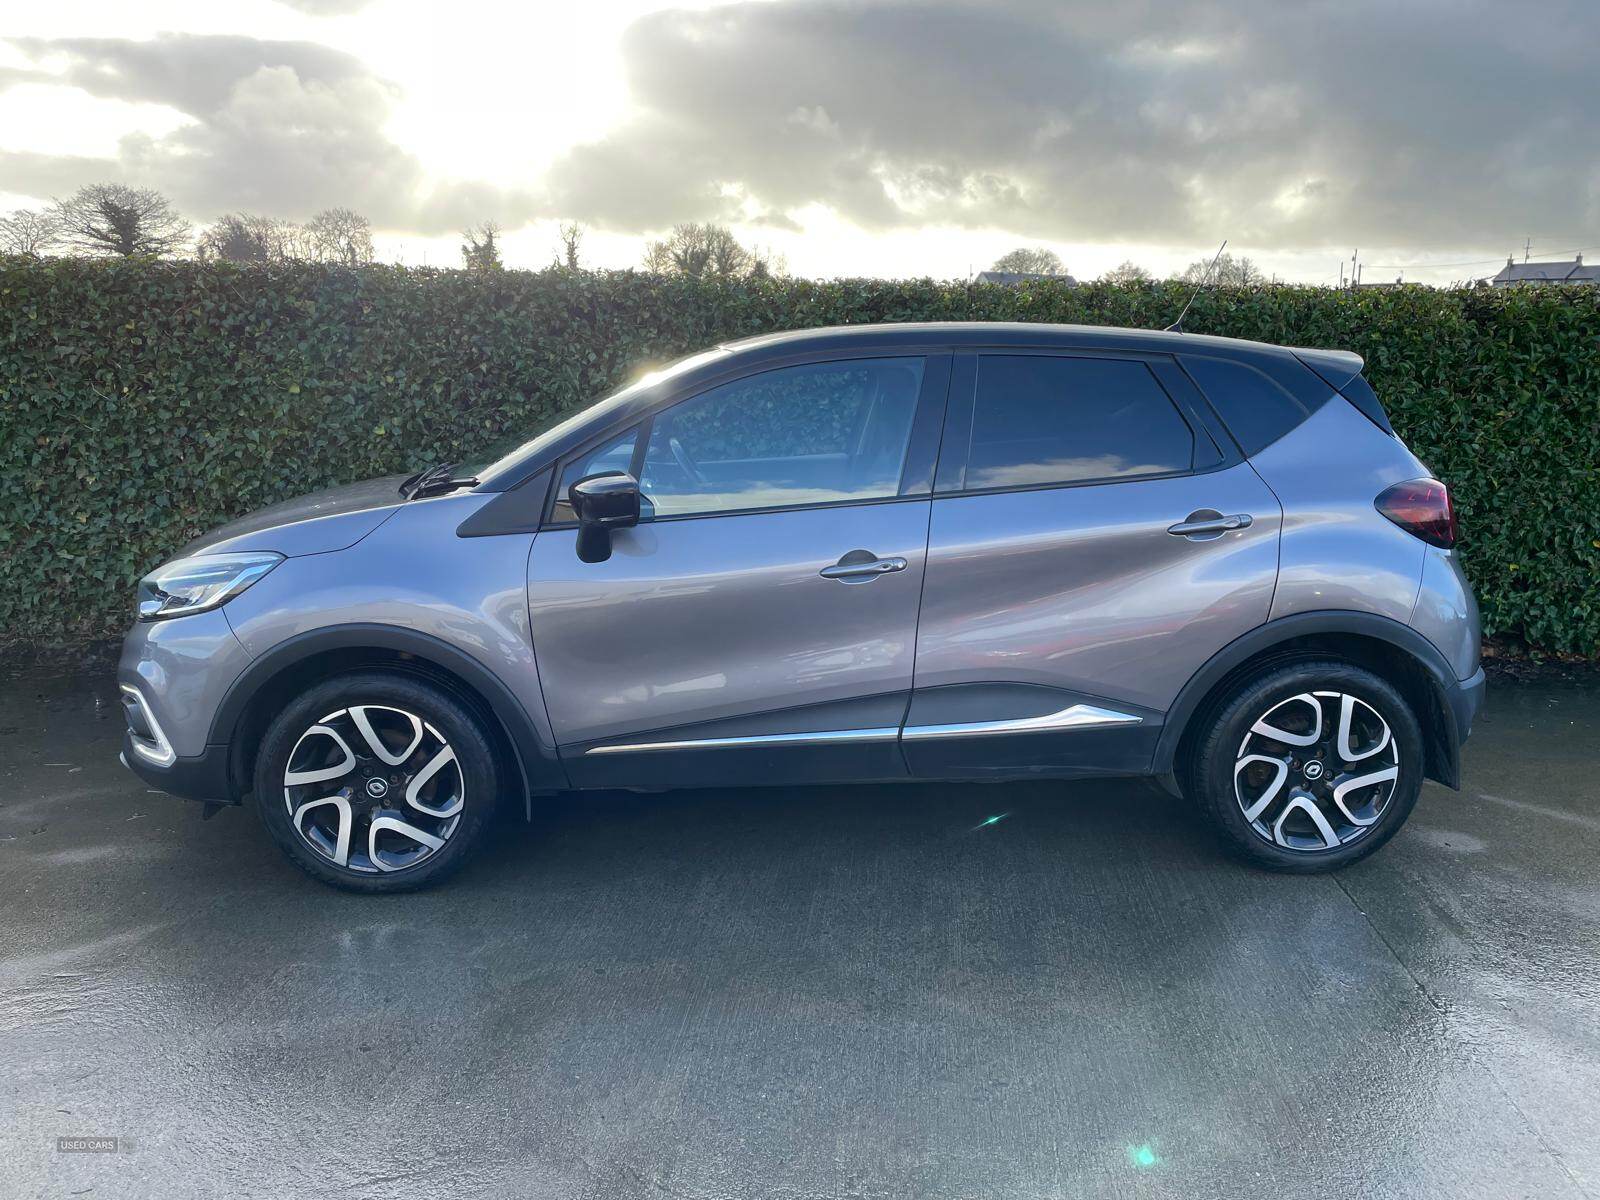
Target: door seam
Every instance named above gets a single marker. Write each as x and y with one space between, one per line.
927 562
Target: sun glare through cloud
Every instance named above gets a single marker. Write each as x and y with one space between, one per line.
851 140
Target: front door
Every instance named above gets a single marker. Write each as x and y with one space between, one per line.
759 624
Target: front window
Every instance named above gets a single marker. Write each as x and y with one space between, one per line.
814 434
594 412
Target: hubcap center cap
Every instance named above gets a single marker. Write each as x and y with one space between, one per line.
1313 770
377 788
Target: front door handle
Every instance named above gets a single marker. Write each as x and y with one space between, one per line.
860 566
1208 523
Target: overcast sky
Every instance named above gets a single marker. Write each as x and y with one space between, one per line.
855 138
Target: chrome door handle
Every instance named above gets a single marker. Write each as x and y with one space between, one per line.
868 569
1210 523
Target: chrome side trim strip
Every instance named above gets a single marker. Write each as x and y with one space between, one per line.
1076 716
824 737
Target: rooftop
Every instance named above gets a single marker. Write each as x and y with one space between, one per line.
1569 271
1340 363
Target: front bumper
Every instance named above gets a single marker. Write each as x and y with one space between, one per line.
173 676
205 776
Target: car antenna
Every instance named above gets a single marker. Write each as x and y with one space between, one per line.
1177 326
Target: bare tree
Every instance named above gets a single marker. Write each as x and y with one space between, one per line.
481 250
247 237
111 218
570 234
1126 272
726 258
705 252
339 235
766 263
1229 271
1030 260
28 231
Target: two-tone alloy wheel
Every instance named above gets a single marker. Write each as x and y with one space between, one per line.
376 782
1316 771
1310 766
373 788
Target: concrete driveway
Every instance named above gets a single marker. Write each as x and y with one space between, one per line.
799 993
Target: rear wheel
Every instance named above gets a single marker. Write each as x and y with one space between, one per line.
1309 766
376 783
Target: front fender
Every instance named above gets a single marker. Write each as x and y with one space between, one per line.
411 587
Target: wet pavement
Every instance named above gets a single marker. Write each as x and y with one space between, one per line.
798 993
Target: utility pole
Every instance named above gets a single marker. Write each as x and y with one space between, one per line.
1527 248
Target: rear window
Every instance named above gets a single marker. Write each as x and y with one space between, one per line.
1255 409
1040 420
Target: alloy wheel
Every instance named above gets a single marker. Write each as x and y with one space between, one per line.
1316 771
373 788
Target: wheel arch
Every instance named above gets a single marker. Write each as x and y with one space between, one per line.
1418 671
307 659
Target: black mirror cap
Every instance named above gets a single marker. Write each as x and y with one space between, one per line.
609 500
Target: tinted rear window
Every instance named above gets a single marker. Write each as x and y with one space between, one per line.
1256 410
1040 420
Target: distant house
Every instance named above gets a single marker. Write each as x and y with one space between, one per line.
1546 272
1013 278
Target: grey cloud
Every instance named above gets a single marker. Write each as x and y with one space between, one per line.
32 174
191 72
327 8
284 128
1277 125
11 76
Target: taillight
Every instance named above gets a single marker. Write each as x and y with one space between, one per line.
1422 508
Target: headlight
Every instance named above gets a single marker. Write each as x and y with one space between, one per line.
190 585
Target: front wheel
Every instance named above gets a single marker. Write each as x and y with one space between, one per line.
376 783
1309 766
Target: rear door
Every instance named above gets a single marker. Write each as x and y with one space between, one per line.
1094 539
759 624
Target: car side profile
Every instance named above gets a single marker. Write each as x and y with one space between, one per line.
896 552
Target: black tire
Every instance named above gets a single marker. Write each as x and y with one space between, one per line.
1209 771
444 720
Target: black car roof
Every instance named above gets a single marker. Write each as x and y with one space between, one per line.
1028 333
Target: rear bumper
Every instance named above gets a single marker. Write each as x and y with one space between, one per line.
1458 705
1466 702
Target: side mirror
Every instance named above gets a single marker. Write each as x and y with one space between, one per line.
603 503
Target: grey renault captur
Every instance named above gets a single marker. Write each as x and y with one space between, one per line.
892 552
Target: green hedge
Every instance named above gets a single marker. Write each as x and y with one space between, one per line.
141 403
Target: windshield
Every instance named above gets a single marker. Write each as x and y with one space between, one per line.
485 467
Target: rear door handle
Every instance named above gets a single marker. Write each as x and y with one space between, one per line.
853 569
1207 523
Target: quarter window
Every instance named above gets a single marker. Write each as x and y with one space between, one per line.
814 434
1041 420
615 455
1256 411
